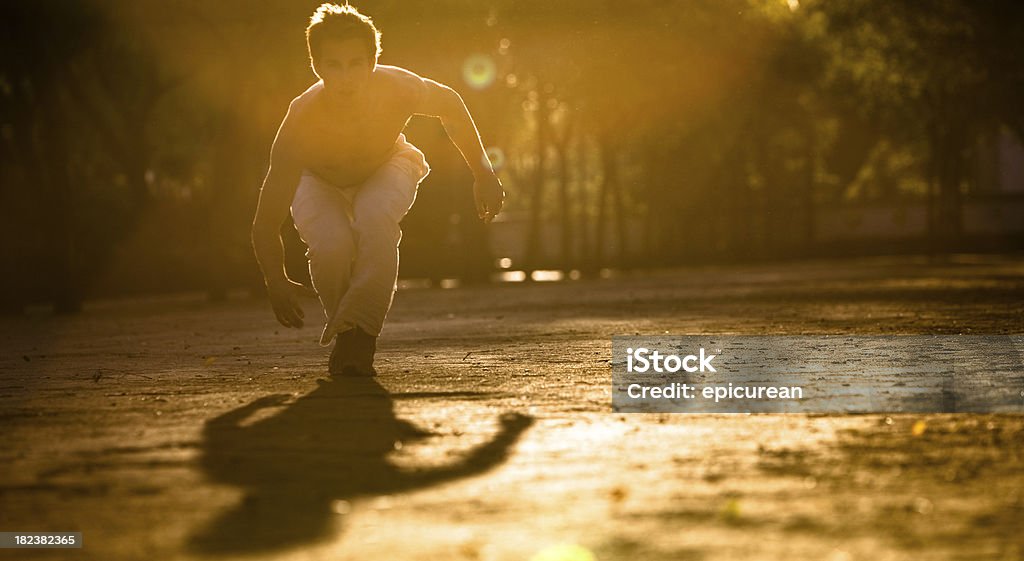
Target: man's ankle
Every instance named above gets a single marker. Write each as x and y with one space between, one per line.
355 350
341 354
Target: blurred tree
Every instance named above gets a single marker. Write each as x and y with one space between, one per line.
135 133
942 70
38 43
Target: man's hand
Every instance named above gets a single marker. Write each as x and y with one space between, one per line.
284 297
489 196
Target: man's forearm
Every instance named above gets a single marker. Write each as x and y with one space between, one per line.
269 249
458 123
272 210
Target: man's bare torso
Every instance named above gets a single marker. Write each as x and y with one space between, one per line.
344 142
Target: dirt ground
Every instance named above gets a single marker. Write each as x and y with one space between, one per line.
172 428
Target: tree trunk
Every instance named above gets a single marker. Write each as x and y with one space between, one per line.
533 241
564 200
53 154
604 192
586 248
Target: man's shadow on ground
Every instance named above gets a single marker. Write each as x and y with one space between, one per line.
331 444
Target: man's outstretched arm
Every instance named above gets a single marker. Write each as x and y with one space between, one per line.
438 100
275 201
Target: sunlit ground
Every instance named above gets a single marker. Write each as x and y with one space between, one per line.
169 428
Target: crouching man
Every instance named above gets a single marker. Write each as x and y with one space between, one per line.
343 168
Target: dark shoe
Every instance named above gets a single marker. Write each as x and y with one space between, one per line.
353 354
341 355
364 346
358 372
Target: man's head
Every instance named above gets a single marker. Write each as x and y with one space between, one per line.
343 47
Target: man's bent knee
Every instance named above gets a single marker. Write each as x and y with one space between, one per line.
327 250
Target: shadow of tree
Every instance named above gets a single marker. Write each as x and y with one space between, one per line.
330 444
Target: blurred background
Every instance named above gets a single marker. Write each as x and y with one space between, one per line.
641 134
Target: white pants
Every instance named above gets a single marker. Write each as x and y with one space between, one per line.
353 237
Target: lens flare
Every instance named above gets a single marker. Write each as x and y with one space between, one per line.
479 71
496 156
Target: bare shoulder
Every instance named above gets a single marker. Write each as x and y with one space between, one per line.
301 103
290 134
398 75
403 82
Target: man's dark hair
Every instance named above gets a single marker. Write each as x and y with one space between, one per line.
341 22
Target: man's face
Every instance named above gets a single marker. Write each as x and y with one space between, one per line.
344 65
